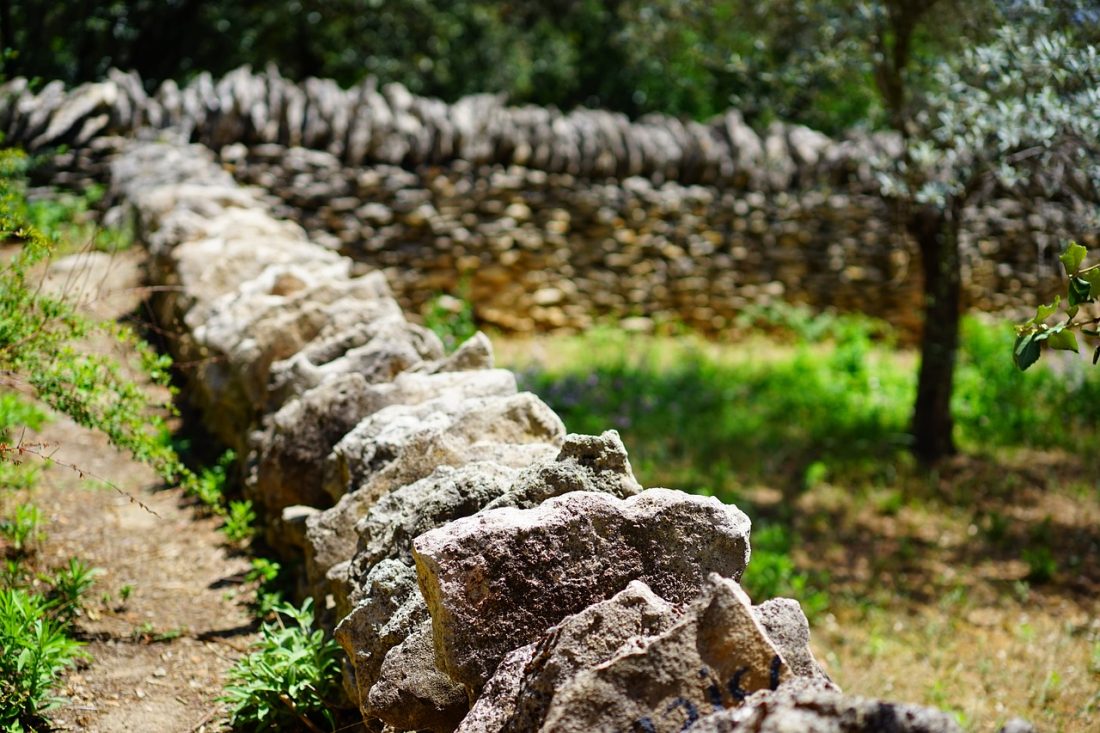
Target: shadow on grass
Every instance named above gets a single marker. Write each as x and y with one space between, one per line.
761 420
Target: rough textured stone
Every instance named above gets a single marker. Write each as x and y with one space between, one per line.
382 437
497 703
811 705
585 463
495 581
712 658
388 529
331 535
411 693
389 608
787 627
582 641
302 434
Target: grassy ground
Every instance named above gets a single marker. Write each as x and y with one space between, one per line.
974 587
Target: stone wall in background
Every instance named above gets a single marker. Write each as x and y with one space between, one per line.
483 570
550 219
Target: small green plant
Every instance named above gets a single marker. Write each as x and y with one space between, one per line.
451 318
34 650
265 573
1041 564
286 681
68 217
68 587
238 521
23 528
209 486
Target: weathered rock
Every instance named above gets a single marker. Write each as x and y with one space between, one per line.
393 346
497 703
388 529
290 466
811 705
268 319
497 580
382 437
411 693
389 608
585 463
711 659
788 629
582 641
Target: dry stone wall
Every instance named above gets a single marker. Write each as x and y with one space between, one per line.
483 570
549 219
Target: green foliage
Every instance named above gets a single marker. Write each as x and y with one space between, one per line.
289 676
38 352
68 217
701 422
67 589
771 571
23 528
209 486
34 650
1083 288
16 414
451 318
265 573
239 520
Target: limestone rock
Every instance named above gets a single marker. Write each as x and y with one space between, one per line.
711 659
810 705
303 432
382 437
582 641
788 629
411 693
497 580
585 463
389 609
388 529
497 703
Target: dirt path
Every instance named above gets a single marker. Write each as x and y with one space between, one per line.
166 617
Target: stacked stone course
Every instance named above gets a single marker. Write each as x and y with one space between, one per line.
483 570
551 219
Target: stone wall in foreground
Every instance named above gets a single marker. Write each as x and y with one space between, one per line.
550 219
483 570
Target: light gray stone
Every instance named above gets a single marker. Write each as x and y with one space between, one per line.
497 580
711 659
810 705
411 693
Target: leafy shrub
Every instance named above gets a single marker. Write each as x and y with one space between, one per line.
238 521
23 527
289 676
34 650
209 486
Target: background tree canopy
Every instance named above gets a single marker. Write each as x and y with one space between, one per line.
799 60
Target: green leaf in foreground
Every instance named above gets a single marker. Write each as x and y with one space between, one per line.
1073 257
1026 351
1080 290
1063 340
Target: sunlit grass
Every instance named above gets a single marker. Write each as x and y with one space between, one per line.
915 580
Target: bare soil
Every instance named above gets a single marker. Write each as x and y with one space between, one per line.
167 616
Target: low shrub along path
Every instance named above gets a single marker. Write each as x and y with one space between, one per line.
166 617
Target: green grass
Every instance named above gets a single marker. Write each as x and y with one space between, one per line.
816 402
789 415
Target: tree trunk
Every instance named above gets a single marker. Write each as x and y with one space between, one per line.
936 233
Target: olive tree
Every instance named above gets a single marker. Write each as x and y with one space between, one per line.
1017 115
